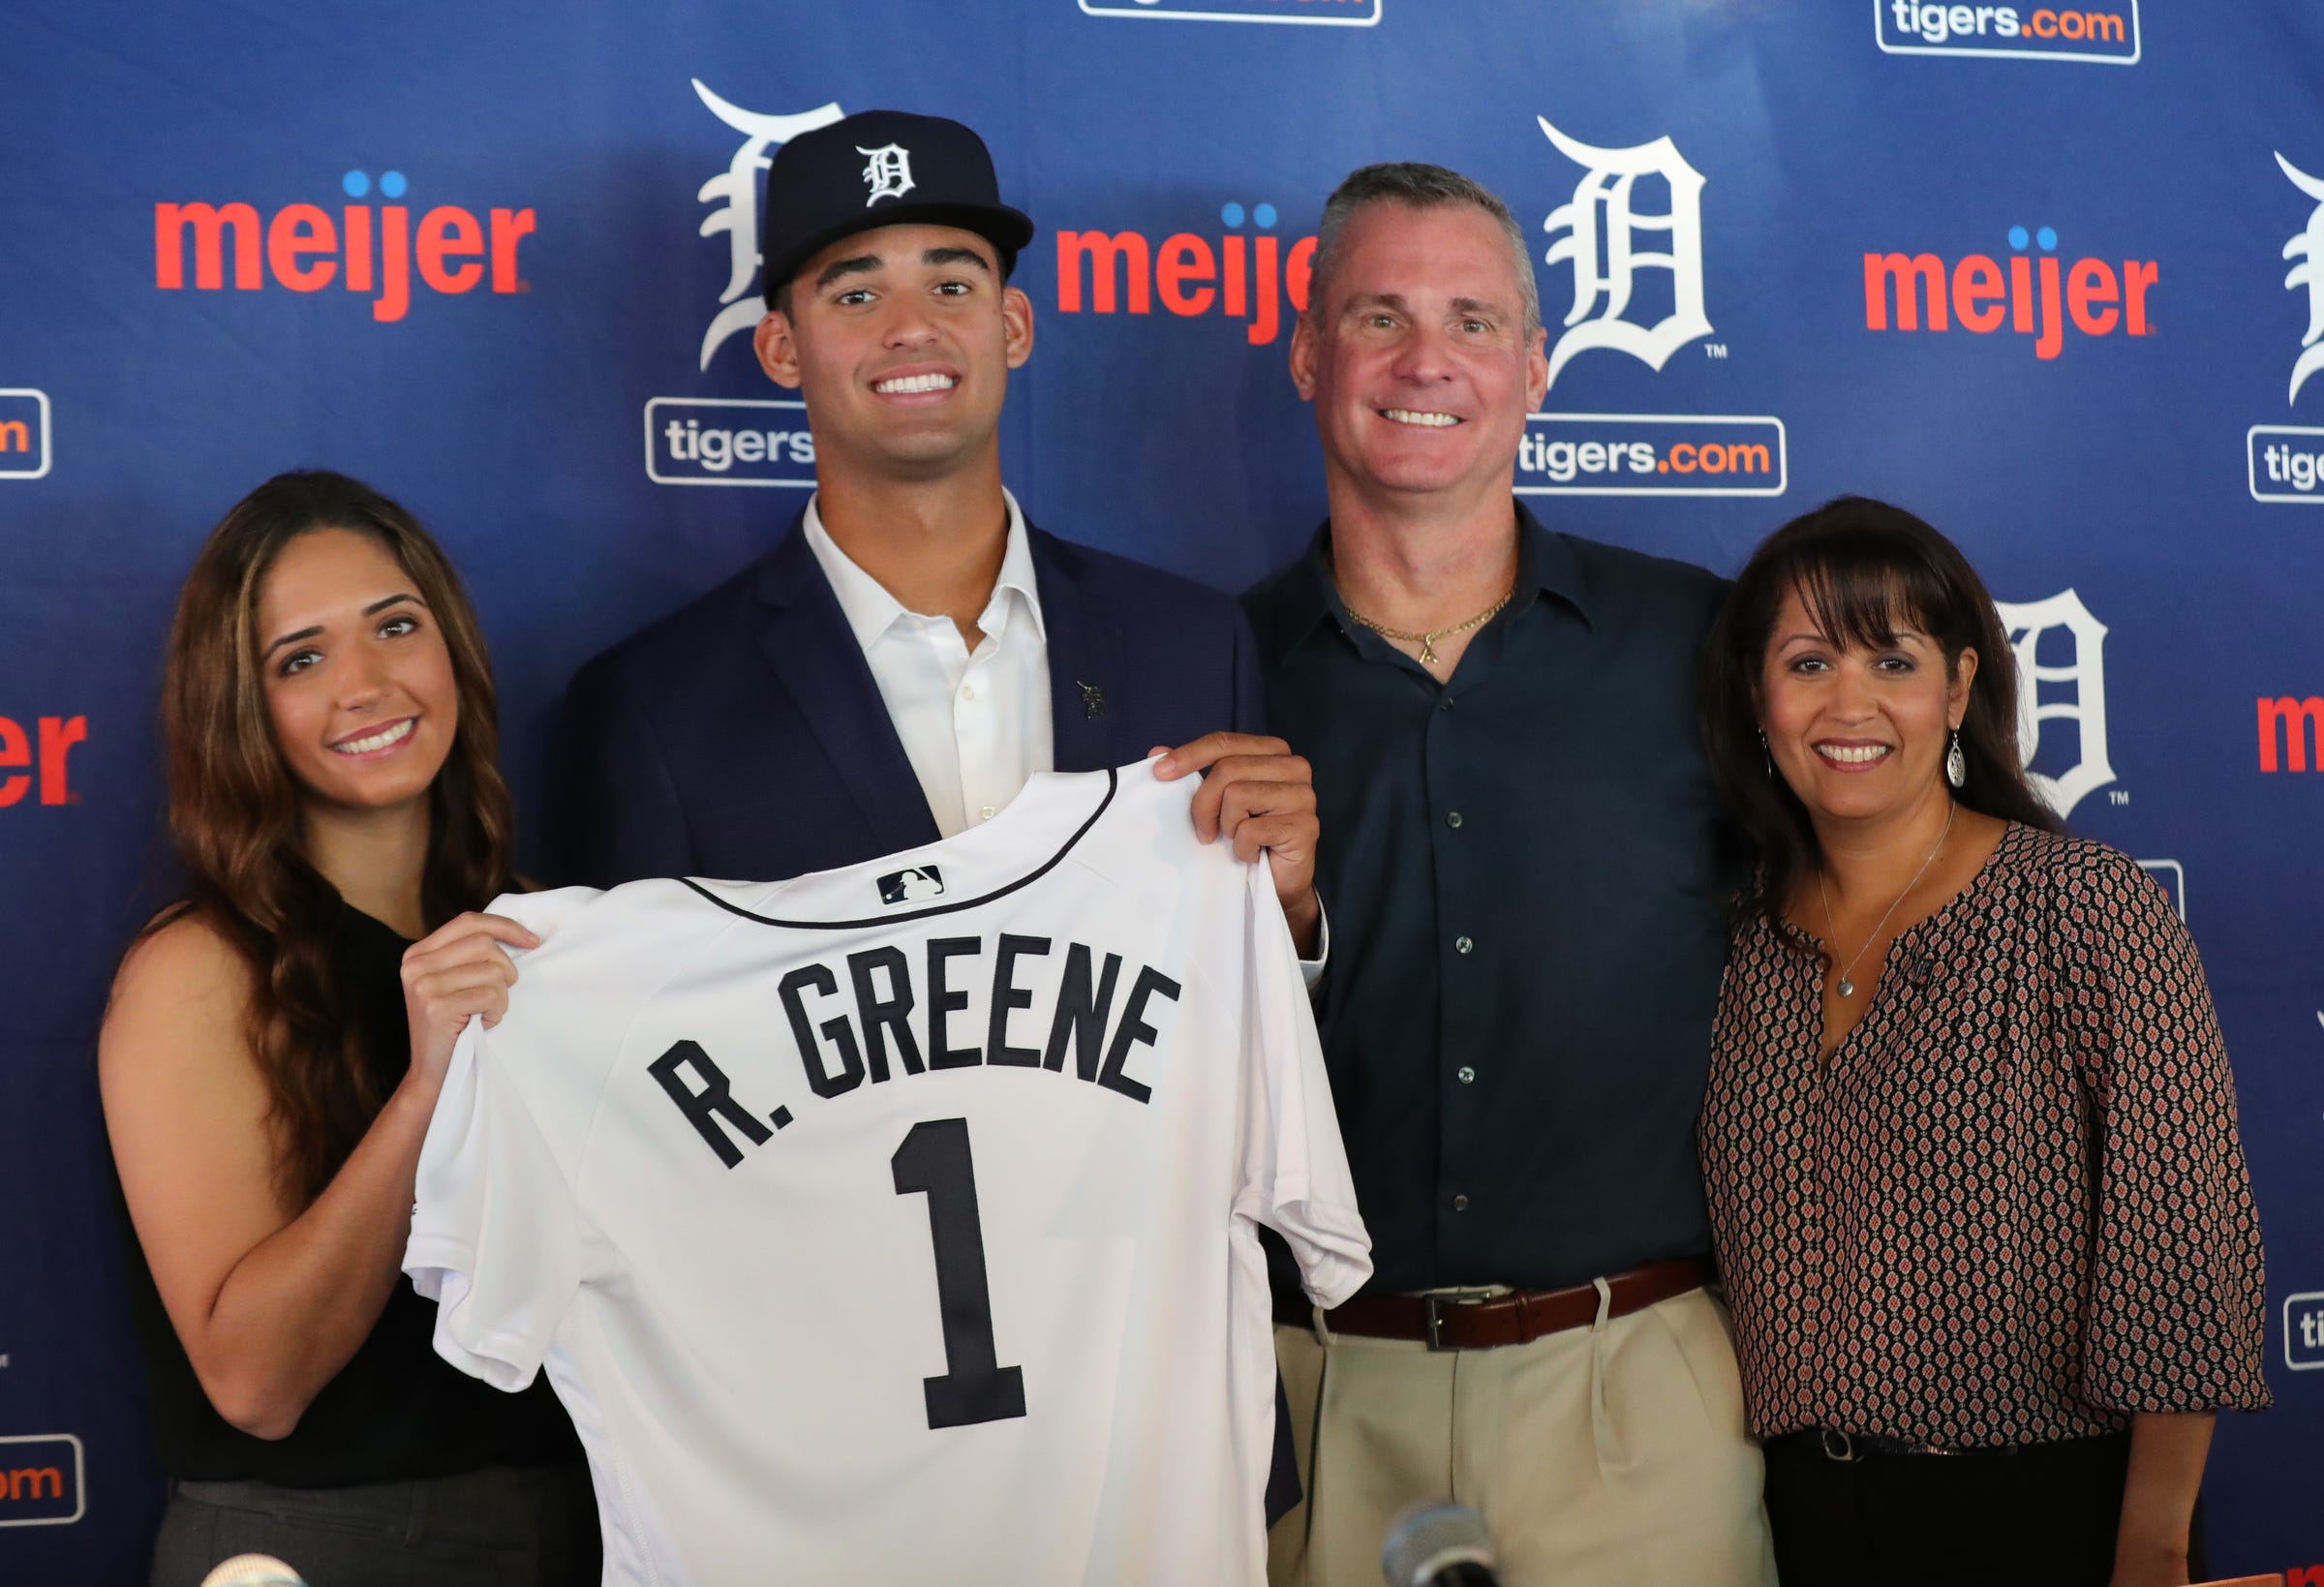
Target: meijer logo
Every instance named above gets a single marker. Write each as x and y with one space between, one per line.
34 758
1237 276
42 1481
1914 290
2291 733
1327 12
364 249
2043 33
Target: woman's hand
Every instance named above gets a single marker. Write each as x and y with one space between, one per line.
455 972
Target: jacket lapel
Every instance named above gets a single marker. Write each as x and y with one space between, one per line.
815 659
1085 662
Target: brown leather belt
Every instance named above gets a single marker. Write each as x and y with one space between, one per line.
1451 1321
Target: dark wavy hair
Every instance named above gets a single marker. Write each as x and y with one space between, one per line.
1863 569
236 812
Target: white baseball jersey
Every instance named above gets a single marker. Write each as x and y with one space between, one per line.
898 1224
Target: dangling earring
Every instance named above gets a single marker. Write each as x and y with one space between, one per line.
1956 764
1766 753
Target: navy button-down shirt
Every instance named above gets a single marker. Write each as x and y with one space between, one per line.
1526 880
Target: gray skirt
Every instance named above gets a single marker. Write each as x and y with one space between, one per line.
504 1526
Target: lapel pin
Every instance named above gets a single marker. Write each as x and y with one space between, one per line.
1094 699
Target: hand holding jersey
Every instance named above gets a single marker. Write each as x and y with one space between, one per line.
1261 798
458 972
862 1230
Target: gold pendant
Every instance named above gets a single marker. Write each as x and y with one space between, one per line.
1427 650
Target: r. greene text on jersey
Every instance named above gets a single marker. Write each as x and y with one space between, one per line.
846 1028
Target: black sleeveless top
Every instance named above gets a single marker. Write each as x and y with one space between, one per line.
396 1410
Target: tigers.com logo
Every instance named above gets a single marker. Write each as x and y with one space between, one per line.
1324 13
42 1481
2043 33
23 434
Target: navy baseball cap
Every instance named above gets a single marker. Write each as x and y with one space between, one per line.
880 167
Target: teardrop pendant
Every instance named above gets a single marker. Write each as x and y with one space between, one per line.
1848 988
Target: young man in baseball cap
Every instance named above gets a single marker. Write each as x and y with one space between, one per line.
911 649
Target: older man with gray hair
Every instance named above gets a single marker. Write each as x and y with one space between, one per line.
1526 882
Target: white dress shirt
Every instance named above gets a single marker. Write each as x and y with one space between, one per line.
975 724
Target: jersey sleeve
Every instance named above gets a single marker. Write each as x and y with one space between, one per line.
497 1231
1294 1169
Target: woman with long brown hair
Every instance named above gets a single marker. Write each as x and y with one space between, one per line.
1970 1137
273 1050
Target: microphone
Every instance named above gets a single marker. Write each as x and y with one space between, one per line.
254 1570
1439 1544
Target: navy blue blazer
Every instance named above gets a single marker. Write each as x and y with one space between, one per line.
743 736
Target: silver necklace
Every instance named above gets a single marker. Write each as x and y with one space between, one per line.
1848 988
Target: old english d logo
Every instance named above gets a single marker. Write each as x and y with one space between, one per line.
889 176
911 884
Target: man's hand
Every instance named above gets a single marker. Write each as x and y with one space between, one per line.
1260 796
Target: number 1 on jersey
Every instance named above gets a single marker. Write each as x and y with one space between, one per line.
933 1161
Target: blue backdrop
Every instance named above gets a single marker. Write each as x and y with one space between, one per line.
2053 278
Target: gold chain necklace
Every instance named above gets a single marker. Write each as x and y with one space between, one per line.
1426 641
1847 986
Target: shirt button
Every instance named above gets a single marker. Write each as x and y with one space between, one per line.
1465 1075
1453 820
1460 1203
1461 944
968 691
989 812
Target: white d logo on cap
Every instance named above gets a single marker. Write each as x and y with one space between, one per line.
889 174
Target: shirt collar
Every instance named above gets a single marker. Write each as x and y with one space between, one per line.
871 611
1546 565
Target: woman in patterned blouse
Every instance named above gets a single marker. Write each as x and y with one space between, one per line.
1970 1139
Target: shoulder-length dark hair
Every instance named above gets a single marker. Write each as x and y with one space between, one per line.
1864 569
236 813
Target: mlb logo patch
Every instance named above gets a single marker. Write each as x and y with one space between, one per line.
913 884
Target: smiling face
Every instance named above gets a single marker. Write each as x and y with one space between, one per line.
358 683
1419 364
901 339
1858 731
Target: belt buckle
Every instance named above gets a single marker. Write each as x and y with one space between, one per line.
1431 1304
1428 1306
1837 1445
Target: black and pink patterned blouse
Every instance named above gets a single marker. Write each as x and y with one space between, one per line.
2013 1205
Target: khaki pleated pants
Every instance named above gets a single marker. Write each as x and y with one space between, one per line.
1613 1456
